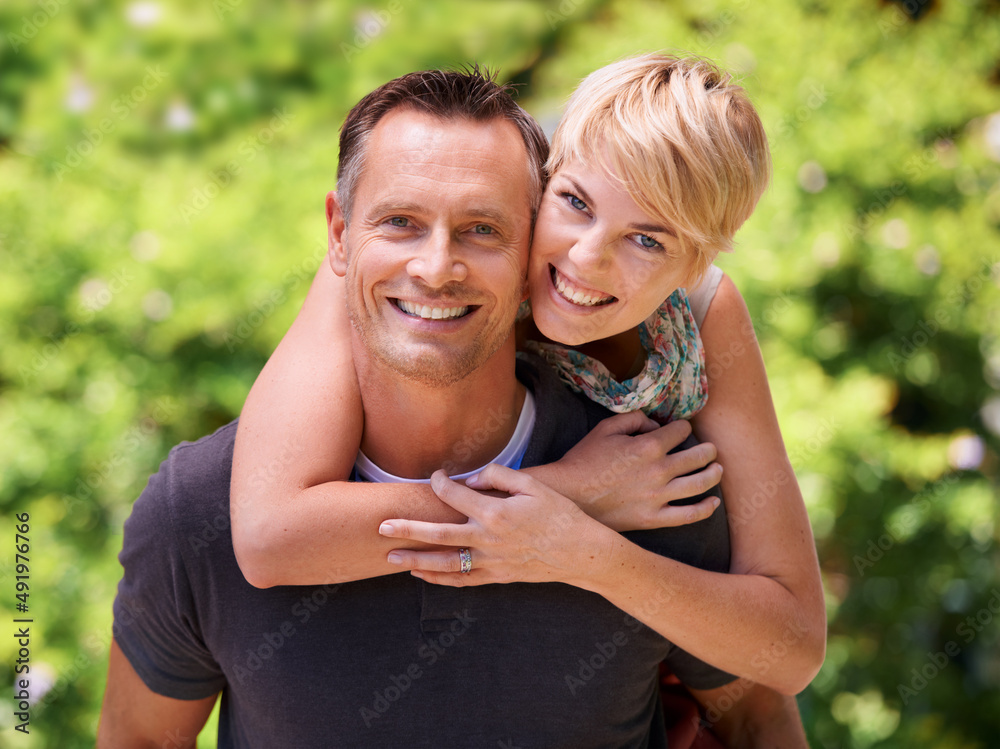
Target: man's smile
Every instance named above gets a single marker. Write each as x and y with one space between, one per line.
431 312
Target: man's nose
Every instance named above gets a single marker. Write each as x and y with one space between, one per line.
438 261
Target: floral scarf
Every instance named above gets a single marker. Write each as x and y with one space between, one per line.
673 385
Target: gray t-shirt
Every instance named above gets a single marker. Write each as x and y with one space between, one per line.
392 661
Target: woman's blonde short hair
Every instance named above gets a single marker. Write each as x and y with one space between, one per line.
683 138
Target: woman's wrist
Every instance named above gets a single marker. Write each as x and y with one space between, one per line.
597 552
555 477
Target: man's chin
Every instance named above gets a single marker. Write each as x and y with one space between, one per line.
434 363
431 368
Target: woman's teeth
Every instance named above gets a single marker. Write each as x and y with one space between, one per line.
431 313
584 298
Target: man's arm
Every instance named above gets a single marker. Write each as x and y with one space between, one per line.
135 717
754 717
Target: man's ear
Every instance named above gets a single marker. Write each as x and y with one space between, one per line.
335 229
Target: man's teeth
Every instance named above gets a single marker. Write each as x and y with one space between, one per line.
431 313
583 298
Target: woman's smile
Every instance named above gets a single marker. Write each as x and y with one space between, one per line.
577 293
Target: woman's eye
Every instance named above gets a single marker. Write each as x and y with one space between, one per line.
482 229
576 202
647 241
399 221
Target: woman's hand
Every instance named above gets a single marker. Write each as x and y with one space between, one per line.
624 476
533 535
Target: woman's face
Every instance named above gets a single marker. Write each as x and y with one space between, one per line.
599 265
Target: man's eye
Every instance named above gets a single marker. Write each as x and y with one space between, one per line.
482 229
399 221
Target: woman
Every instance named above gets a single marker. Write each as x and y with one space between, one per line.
655 166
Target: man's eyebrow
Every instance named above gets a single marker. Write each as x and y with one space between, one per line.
499 218
393 206
389 207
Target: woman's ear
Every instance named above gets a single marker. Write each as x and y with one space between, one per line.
336 226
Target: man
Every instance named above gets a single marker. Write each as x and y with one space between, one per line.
439 216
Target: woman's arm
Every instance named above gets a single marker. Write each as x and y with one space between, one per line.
295 518
765 622
774 594
768 525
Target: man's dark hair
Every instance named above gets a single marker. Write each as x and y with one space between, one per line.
472 94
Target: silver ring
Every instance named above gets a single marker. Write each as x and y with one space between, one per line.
466 557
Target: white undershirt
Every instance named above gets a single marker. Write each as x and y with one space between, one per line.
700 297
510 456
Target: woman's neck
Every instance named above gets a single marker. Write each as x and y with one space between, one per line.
622 354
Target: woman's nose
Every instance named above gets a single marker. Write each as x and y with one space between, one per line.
591 250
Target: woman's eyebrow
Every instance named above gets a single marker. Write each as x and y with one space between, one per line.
653 229
581 193
649 228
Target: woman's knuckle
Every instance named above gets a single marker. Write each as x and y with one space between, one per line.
668 490
647 518
647 449
668 518
679 430
436 535
672 468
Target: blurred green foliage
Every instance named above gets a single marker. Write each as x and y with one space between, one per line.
162 173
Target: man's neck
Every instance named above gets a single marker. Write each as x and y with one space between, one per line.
413 428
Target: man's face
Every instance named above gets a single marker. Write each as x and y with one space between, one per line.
435 252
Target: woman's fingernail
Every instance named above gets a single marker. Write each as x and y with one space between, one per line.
386 529
472 479
395 558
716 502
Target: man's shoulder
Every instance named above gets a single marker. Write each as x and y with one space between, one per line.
205 463
191 485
